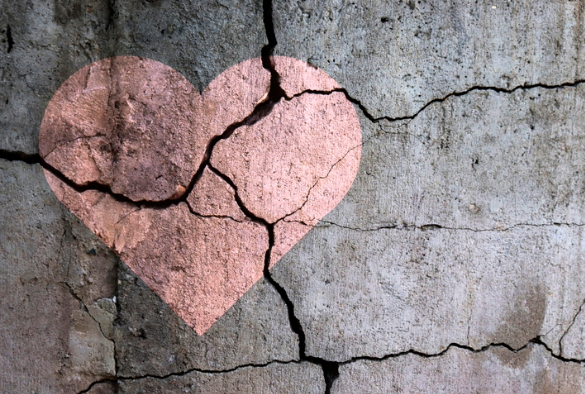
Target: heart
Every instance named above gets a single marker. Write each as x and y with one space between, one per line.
190 190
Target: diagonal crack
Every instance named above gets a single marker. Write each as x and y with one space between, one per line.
320 178
569 327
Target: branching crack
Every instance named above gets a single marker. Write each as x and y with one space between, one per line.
308 195
330 369
569 327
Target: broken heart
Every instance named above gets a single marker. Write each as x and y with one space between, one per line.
199 193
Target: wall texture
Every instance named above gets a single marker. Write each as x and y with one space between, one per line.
455 263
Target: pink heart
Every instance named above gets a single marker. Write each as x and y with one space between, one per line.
127 137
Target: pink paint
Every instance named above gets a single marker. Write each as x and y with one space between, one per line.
141 129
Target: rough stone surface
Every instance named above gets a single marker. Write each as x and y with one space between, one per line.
496 370
463 225
152 340
397 56
139 128
43 43
49 341
482 161
272 379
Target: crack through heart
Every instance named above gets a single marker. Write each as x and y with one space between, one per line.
200 195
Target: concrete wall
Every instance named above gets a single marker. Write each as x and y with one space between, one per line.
455 263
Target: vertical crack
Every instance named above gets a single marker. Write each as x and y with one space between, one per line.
275 94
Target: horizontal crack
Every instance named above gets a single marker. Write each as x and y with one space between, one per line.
426 227
206 371
535 341
458 94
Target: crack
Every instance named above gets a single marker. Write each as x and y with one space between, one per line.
535 341
426 227
569 328
409 118
308 195
114 381
83 137
330 368
207 371
87 310
374 119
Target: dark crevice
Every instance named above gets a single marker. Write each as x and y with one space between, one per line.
112 381
374 119
534 341
275 94
112 14
456 94
207 371
9 39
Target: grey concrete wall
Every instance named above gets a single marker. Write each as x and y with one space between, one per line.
455 263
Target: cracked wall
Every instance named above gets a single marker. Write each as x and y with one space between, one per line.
454 263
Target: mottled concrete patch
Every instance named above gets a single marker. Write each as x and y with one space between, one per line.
51 268
152 340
